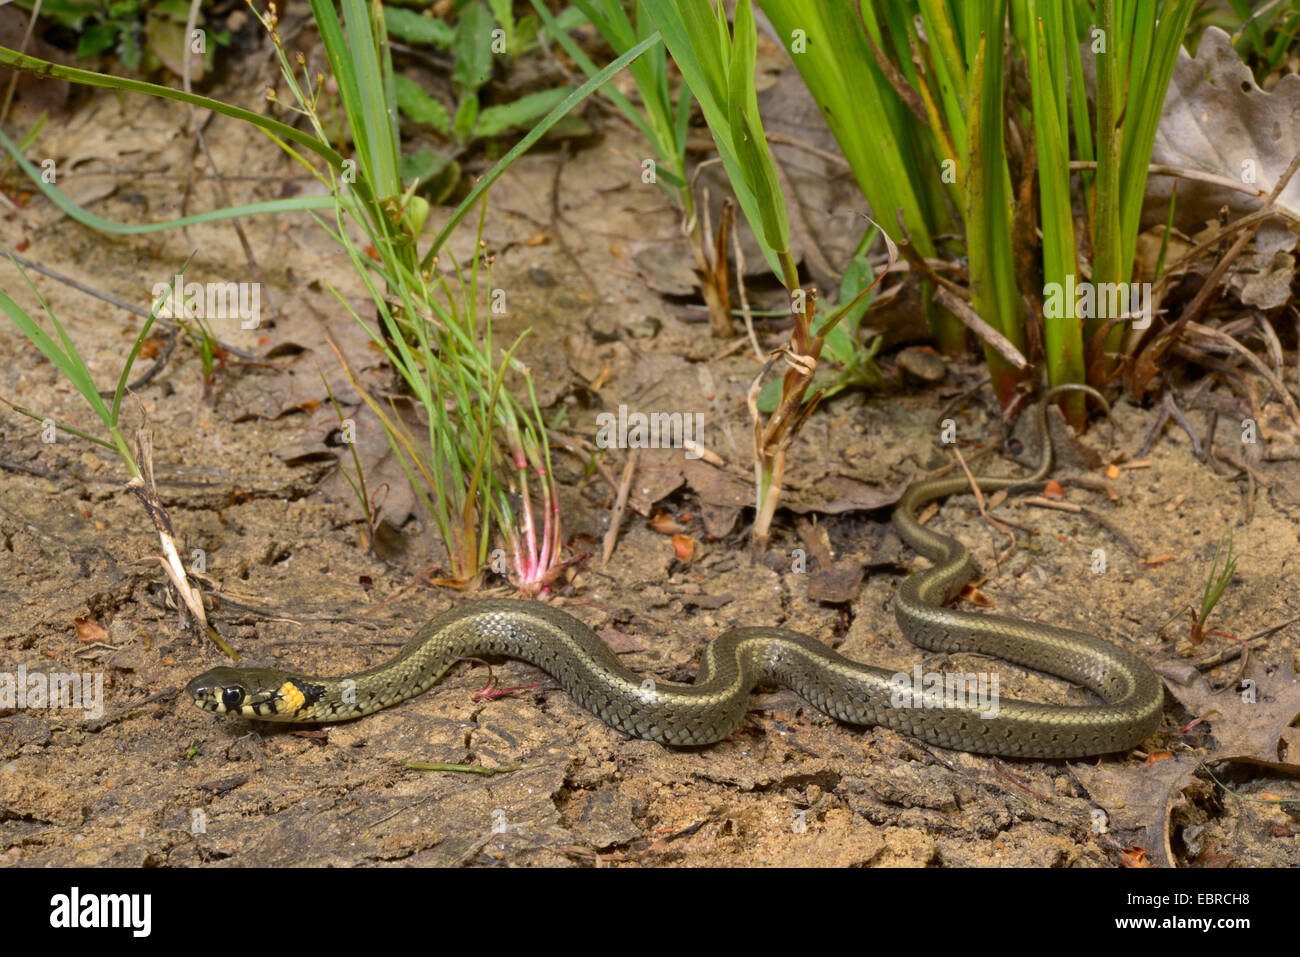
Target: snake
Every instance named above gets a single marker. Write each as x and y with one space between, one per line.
931 707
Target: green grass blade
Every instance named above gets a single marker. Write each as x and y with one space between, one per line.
29 64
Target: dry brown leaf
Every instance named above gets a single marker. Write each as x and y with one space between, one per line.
1138 801
1251 723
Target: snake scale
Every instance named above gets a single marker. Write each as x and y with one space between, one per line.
733 664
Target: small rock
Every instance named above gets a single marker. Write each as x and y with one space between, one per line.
922 363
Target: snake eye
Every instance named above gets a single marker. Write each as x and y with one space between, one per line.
232 697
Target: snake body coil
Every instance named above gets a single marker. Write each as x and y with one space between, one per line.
737 661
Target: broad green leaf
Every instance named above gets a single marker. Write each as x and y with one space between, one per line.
419 106
858 276
96 40
466 116
473 46
495 120
438 175
414 28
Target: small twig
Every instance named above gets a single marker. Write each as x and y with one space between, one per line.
22 48
1274 345
997 766
1154 352
979 503
619 506
1274 381
1182 172
160 363
1230 459
739 255
1236 651
465 768
584 450
144 489
972 321
957 400
835 159
1162 416
123 304
1177 415
1039 501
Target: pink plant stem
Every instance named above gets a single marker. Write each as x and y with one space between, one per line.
519 555
547 499
528 574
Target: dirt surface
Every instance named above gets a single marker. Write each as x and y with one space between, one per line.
592 261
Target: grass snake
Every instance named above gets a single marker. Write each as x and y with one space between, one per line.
732 665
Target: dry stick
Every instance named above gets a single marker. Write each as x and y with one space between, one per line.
744 297
923 268
22 48
1176 269
1229 374
835 159
144 488
1201 301
957 400
707 270
576 446
620 504
972 321
123 304
1231 654
1162 416
1255 361
1274 345
1181 172
979 503
1177 415
1211 424
1235 462
160 363
1039 501
419 579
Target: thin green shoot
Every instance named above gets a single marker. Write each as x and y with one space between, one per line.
1223 566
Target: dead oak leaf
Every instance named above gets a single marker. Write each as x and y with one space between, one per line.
1250 723
1139 800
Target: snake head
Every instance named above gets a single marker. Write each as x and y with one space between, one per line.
260 693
